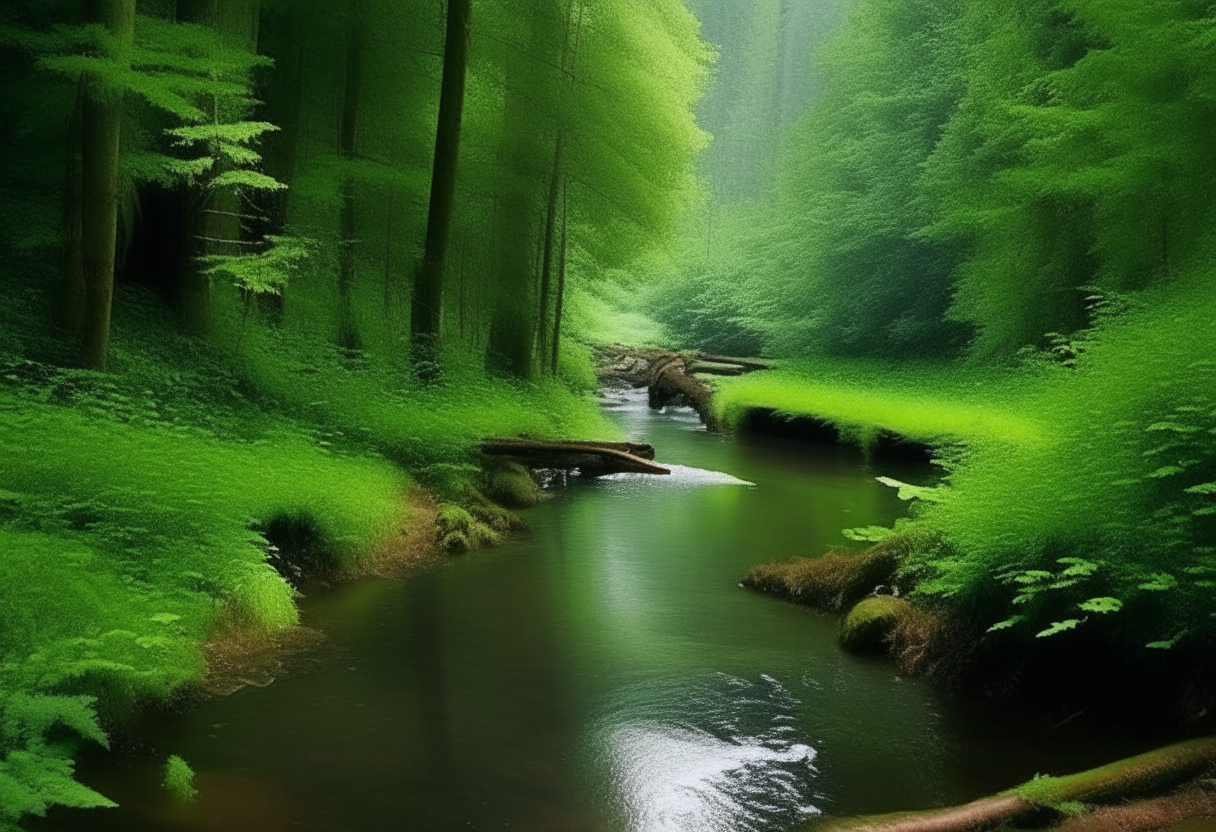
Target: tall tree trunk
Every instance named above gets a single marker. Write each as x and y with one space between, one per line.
348 333
101 130
72 302
561 288
216 222
512 336
426 315
546 277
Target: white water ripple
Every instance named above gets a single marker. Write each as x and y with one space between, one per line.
707 753
681 475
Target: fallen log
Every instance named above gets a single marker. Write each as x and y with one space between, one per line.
750 364
589 458
1145 815
712 369
674 385
1146 774
643 449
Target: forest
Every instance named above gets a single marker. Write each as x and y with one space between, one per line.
275 271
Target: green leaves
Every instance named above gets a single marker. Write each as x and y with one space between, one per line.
1161 582
1102 605
246 179
911 492
868 534
266 272
1059 627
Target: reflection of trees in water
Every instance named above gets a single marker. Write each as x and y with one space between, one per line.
426 645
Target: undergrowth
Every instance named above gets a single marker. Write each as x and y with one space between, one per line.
137 509
1080 499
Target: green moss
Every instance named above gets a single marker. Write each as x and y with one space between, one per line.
459 531
870 624
1146 774
179 780
512 485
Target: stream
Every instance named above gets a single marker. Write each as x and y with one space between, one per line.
602 672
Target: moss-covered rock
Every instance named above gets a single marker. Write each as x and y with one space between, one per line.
495 516
870 624
512 485
459 531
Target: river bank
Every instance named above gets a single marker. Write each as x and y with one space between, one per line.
601 672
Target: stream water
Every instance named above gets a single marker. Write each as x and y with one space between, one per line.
603 672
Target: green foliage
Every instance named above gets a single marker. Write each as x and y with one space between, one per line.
266 272
179 780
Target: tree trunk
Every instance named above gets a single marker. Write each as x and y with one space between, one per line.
561 288
72 303
546 276
217 219
426 316
348 334
101 130
512 337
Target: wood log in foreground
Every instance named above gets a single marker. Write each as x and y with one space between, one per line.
1154 773
589 457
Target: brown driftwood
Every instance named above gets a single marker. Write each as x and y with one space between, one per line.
1154 772
590 458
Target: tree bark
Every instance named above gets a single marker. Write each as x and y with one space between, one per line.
561 288
348 333
215 217
72 302
426 317
546 274
101 131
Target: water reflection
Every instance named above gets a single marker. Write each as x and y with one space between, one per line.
706 752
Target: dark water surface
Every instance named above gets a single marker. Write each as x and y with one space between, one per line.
604 672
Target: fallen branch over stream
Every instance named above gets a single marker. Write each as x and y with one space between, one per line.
1155 773
589 457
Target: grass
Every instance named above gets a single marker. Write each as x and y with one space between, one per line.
929 403
1083 502
138 508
